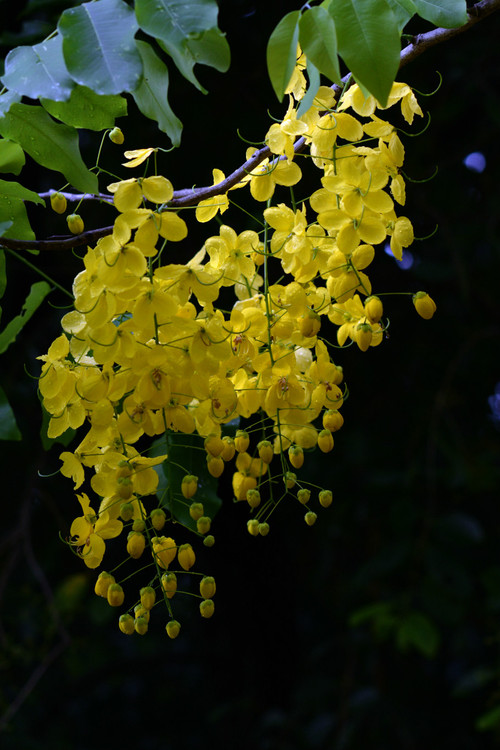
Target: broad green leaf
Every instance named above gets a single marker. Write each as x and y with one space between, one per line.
7 99
12 157
86 109
8 427
13 213
417 631
151 96
369 43
15 190
403 10
184 457
210 48
176 20
447 13
37 294
282 52
312 89
38 71
99 48
188 32
51 144
318 41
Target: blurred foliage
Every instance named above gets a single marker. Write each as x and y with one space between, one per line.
378 627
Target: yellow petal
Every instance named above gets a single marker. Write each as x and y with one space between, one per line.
137 157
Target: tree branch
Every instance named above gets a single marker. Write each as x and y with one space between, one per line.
193 196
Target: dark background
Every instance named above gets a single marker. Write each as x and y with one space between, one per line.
409 550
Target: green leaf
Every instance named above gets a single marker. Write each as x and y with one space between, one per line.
7 99
369 43
447 13
15 190
86 109
312 89
318 40
417 631
38 71
12 157
176 20
403 11
37 294
151 96
99 48
188 32
51 144
282 52
184 457
13 213
8 427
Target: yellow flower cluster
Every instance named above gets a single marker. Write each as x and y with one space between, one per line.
146 351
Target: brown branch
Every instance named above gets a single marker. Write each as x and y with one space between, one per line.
193 196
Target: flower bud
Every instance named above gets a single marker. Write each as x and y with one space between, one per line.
209 541
173 628
241 441
363 335
290 480
253 498
309 324
126 624
126 511
196 511
75 223
164 550
58 203
325 441
310 518
186 556
373 308
116 136
229 448
332 420
189 485
325 498
203 524
253 527
207 587
424 305
158 519
115 595
263 529
296 456
136 543
141 611
303 496
138 525
215 466
148 597
266 451
141 625
169 583
206 608
103 582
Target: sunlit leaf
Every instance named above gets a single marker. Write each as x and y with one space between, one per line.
38 71
51 144
282 52
99 47
447 13
86 109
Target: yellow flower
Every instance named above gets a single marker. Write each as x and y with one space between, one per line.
137 157
207 209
